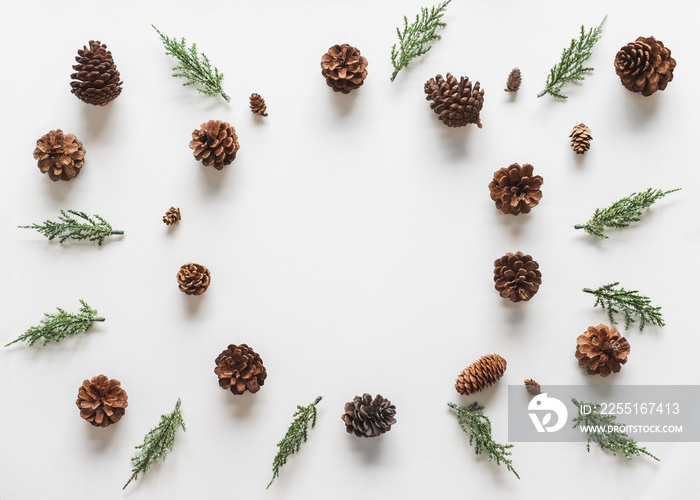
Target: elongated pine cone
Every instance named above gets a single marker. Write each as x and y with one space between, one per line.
240 369
645 65
532 387
602 350
193 279
480 374
96 80
515 190
515 78
517 276
367 417
581 138
172 216
215 143
457 103
102 401
344 68
60 155
257 105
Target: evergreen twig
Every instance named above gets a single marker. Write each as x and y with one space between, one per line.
69 227
630 302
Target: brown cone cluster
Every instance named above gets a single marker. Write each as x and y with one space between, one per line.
480 374
457 103
645 65
344 68
515 190
517 276
96 80
515 78
240 369
532 387
257 105
581 138
60 155
601 350
172 216
102 401
193 279
215 143
368 417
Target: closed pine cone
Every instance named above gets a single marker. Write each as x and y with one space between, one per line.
344 68
581 138
102 401
193 279
532 387
60 155
515 78
601 350
96 80
515 190
257 105
215 143
240 369
172 216
480 374
367 417
517 276
645 65
457 103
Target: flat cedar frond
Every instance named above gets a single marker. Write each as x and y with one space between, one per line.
623 212
478 426
630 302
296 434
572 59
75 225
414 40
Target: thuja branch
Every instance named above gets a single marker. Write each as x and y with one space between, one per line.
75 225
615 298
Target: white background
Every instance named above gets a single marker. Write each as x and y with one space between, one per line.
351 243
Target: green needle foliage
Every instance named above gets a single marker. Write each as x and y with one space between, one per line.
75 225
58 326
473 422
630 302
572 59
596 426
296 434
623 212
414 40
157 443
194 67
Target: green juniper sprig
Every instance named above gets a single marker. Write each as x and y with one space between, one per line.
296 434
414 40
195 67
75 225
623 212
630 302
157 443
478 426
597 425
572 59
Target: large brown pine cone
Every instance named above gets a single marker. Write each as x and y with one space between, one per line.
102 401
515 190
517 276
457 103
344 68
60 155
96 80
367 417
240 369
480 374
601 350
215 143
645 65
581 138
193 279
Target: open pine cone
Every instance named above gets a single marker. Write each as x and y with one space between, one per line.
193 279
581 138
344 68
172 216
215 143
601 350
240 369
257 105
645 65
60 155
367 417
96 80
515 190
517 276
102 401
480 374
532 387
457 103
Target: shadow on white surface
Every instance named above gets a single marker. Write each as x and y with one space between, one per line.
455 139
59 191
344 103
516 225
368 449
193 303
96 119
100 439
240 405
639 110
213 178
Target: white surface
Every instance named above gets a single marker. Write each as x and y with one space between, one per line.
351 243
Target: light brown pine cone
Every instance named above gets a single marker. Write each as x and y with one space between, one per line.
515 190
480 374
581 138
60 155
172 216
601 350
240 369
102 401
344 68
193 279
215 144
517 276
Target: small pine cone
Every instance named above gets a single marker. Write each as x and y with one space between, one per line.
215 143
240 369
457 103
193 279
581 138
97 79
102 401
601 350
645 65
60 155
533 387
344 68
517 276
257 105
480 374
515 190
367 417
515 78
172 216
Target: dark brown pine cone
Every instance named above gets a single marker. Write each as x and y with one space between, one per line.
456 103
102 401
96 80
480 374
193 279
172 216
645 65
581 138
60 155
601 350
514 80
344 68
257 105
517 276
532 387
240 369
515 190
215 143
367 417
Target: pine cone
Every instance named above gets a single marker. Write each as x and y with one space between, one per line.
60 155
215 143
601 350
172 216
581 138
97 76
533 387
257 105
517 276
367 417
456 103
102 401
193 279
515 190
344 68
645 65
514 80
480 374
240 369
